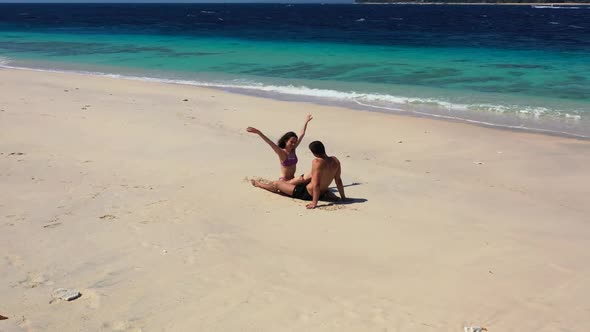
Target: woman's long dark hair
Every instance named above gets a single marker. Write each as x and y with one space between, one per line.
282 142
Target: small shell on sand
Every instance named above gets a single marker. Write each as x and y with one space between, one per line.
66 294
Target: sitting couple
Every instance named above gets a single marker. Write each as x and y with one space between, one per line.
311 187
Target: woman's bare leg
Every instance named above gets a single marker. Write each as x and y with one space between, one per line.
268 186
277 187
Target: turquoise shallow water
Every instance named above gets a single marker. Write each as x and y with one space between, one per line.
541 88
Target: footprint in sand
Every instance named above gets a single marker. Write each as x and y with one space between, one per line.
92 298
190 260
256 178
121 326
13 219
52 225
107 217
14 260
332 207
35 280
13 324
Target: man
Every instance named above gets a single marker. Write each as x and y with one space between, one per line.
324 169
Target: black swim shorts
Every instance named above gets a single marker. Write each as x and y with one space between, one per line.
300 192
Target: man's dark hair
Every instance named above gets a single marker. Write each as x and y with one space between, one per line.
282 143
317 148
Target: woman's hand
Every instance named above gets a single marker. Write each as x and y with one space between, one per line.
308 118
253 130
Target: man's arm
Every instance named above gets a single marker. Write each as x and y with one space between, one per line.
338 181
316 172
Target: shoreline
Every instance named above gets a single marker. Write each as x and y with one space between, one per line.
421 115
317 101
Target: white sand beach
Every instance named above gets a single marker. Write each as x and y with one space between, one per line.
136 194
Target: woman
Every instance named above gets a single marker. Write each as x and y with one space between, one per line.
285 150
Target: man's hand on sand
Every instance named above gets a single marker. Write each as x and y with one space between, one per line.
311 205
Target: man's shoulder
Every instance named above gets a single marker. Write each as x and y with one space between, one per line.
317 162
322 163
326 162
335 160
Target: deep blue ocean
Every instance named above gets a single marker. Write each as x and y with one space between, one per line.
511 66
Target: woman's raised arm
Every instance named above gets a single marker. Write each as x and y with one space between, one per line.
302 133
282 154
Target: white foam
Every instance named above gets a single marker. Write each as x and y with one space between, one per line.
373 101
573 116
485 123
4 61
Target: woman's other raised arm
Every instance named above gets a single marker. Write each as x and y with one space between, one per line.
282 154
302 133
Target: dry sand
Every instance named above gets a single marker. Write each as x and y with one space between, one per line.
140 200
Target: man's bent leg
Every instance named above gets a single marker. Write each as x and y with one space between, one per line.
284 187
303 179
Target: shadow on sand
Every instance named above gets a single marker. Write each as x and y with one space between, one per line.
347 201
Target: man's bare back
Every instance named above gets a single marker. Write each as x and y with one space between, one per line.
325 172
324 169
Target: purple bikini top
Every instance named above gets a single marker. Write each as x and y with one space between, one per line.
290 161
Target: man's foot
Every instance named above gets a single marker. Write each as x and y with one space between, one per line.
255 183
